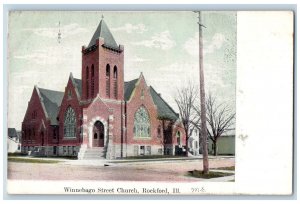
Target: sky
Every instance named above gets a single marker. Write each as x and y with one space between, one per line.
162 45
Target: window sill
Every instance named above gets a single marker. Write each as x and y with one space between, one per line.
69 138
142 138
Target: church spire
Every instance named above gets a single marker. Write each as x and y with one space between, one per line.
104 32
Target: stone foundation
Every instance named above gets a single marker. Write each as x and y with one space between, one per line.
115 151
138 150
50 150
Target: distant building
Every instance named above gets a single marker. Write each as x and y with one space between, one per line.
225 144
13 140
100 115
194 147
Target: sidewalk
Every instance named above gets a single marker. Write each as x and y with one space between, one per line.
168 159
115 162
41 158
224 178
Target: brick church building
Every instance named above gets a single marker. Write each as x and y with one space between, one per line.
100 115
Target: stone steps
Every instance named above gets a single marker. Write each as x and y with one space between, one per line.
94 153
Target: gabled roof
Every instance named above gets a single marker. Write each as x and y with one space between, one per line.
78 85
104 32
128 88
163 109
51 100
12 132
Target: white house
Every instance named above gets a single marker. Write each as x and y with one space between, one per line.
225 144
13 141
194 142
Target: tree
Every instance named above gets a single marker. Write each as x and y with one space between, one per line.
185 100
220 118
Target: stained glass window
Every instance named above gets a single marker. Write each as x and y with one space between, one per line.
141 123
70 123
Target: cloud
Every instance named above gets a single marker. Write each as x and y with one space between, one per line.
48 55
129 28
137 59
191 45
161 40
52 32
217 41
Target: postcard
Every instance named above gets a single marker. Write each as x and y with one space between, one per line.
150 102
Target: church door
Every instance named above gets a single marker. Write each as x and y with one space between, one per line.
98 134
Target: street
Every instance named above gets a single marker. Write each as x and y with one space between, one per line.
165 170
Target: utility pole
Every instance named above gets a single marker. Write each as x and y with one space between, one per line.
202 99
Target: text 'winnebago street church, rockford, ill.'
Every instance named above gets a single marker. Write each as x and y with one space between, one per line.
101 116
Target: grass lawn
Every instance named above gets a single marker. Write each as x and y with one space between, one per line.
211 174
25 160
10 155
60 157
139 158
16 154
229 168
153 157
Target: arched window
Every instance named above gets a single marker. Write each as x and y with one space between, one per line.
93 71
108 80
70 123
42 138
34 115
178 135
92 81
115 72
159 131
87 72
69 94
115 82
107 70
33 133
24 134
142 94
141 123
87 82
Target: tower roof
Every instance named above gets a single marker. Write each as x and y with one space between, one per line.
104 32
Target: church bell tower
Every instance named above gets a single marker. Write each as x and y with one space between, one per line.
103 66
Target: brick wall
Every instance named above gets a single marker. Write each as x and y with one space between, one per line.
35 123
100 57
136 101
70 101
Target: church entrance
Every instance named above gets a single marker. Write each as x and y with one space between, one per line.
98 134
